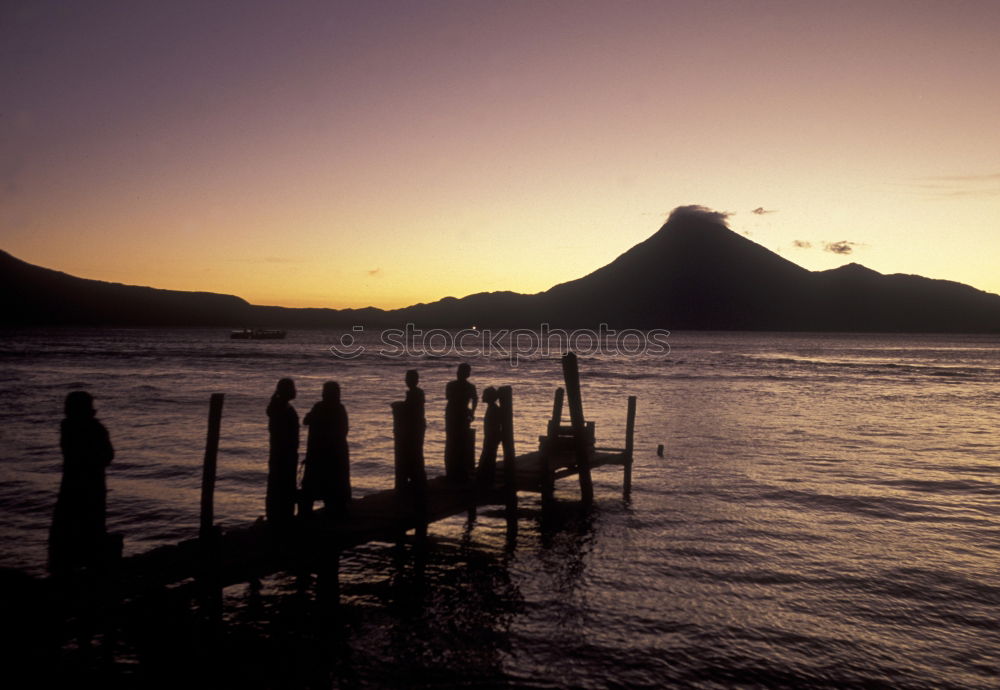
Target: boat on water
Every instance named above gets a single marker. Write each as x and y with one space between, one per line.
258 334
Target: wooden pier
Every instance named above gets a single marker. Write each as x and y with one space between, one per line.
314 544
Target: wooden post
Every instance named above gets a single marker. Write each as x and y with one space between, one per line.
208 576
557 405
548 472
629 446
207 530
399 443
418 481
571 374
506 397
410 482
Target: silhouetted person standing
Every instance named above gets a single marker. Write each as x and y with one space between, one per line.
327 474
414 473
492 435
283 461
459 461
408 427
78 535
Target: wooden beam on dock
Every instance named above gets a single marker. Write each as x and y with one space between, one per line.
557 406
571 374
549 448
208 473
258 549
629 446
411 478
506 397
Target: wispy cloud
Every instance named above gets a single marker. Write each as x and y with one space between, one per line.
957 186
842 247
965 178
375 272
269 260
760 210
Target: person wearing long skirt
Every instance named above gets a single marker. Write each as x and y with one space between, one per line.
327 474
78 535
460 410
283 459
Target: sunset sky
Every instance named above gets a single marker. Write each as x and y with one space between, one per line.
383 153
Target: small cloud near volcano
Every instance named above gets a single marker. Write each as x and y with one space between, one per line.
760 210
841 247
802 244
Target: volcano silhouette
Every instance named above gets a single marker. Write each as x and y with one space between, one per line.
694 273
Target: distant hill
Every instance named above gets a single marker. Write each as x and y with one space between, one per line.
694 273
36 296
40 296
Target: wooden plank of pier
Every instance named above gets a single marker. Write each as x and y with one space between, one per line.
572 376
259 549
208 467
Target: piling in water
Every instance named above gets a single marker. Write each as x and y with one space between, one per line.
571 374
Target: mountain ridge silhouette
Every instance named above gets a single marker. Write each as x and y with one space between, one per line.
694 273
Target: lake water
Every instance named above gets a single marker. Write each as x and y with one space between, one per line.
826 512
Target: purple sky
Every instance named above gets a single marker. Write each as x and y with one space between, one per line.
345 154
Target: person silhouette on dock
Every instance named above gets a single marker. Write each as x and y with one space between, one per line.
410 469
492 435
415 406
283 460
327 474
78 535
459 461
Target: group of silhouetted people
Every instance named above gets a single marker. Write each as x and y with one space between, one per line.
460 410
78 537
327 475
